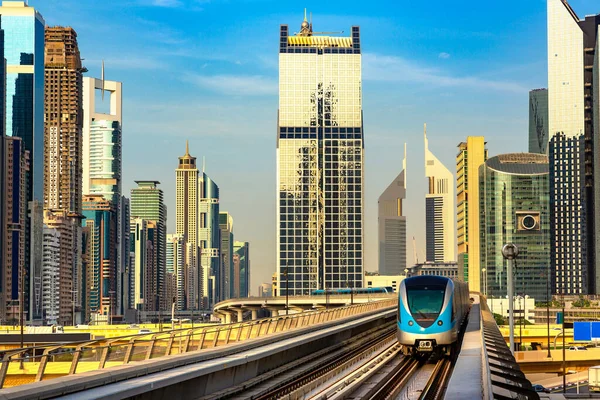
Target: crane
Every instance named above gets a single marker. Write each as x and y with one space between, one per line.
415 251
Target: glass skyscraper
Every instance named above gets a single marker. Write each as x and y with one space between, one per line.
538 121
515 208
320 154
210 241
24 52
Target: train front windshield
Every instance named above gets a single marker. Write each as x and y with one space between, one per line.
425 302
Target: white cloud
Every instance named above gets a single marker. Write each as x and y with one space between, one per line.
384 68
139 62
444 55
245 85
167 3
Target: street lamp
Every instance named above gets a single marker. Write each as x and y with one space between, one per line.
548 307
287 288
110 315
510 252
73 304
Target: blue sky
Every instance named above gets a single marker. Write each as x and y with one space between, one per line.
206 71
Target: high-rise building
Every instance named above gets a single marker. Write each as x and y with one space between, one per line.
100 255
102 155
62 133
439 209
51 276
146 203
176 268
241 267
514 201
67 226
210 241
63 120
187 226
3 199
538 121
23 30
471 155
226 250
320 151
23 50
392 225
572 93
123 266
145 291
14 169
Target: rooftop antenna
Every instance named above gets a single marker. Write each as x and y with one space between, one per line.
404 165
102 78
187 148
310 23
203 163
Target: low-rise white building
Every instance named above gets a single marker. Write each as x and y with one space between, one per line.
376 280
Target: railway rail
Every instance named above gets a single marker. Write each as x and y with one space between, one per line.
296 379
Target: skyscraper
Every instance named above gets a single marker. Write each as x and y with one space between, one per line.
100 255
187 227
145 290
572 91
23 49
62 134
320 154
538 121
210 241
63 120
147 205
51 276
102 154
15 171
515 209
23 30
3 199
439 209
392 226
471 155
67 226
176 266
241 261
226 250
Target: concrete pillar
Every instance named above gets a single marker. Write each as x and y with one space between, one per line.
227 318
254 314
240 315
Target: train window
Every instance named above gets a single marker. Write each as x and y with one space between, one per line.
425 301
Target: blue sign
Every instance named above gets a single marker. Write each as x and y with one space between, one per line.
582 331
586 331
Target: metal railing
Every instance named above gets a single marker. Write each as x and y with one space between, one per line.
34 364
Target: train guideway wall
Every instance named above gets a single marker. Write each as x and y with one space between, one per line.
200 373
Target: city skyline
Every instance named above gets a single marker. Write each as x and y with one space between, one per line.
221 142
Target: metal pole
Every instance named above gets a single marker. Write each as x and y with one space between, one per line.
564 366
548 308
21 301
287 289
522 308
511 315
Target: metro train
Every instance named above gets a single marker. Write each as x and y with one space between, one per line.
431 310
370 290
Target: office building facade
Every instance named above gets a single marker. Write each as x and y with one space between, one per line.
241 267
23 30
146 203
210 242
392 225
573 115
51 276
538 121
176 268
471 155
515 208
226 251
439 209
320 154
100 255
145 289
187 226
15 169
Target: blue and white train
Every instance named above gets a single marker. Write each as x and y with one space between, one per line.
431 310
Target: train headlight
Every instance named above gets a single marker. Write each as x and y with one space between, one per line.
410 323
440 322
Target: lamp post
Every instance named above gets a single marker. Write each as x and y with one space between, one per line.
110 314
564 366
287 288
73 304
510 252
548 307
